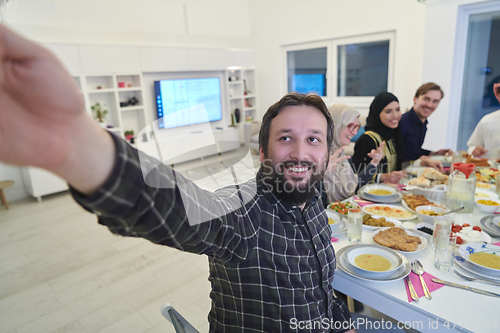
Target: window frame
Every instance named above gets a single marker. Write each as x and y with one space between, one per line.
331 72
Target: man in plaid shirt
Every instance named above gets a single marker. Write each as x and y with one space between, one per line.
268 240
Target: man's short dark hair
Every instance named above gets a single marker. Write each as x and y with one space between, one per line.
428 86
294 99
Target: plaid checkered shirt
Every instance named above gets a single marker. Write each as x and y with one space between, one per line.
271 264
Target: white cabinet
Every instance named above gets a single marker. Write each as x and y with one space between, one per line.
241 94
121 95
39 182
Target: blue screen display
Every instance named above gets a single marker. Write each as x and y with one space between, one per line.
182 102
306 83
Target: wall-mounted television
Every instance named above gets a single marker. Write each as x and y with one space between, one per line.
306 83
183 102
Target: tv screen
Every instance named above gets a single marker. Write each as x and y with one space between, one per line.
182 102
306 83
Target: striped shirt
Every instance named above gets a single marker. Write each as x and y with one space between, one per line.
271 263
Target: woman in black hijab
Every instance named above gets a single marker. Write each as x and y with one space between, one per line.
382 127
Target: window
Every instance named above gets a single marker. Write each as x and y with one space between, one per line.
344 70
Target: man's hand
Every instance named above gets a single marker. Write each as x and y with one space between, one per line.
377 154
431 163
443 152
335 159
479 151
43 121
393 177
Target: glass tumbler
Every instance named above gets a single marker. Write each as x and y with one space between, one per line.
354 225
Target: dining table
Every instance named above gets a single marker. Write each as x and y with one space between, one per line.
450 309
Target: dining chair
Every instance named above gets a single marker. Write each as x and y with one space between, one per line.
181 325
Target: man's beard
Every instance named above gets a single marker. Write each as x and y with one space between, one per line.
292 191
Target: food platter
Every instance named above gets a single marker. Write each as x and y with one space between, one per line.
345 267
405 205
382 208
420 247
388 219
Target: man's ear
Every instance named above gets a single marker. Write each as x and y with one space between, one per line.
261 154
414 100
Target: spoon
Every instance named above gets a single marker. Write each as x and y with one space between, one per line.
417 268
453 211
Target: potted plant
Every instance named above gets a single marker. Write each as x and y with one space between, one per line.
99 113
129 135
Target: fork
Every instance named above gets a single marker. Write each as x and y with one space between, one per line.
468 278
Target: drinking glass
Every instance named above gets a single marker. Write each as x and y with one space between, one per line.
498 183
441 223
354 225
445 250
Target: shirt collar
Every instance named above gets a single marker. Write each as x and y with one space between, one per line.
415 118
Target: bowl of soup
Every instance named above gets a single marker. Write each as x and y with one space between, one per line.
379 191
373 260
334 220
483 257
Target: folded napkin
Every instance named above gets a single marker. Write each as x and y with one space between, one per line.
362 202
415 280
497 244
334 239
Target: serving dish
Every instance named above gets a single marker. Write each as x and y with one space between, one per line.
345 267
427 218
488 209
392 256
388 219
420 247
467 249
485 194
382 209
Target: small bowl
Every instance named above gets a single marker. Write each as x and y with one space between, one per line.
336 225
393 192
392 256
488 209
426 218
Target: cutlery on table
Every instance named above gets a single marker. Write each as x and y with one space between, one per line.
468 278
418 269
413 293
456 285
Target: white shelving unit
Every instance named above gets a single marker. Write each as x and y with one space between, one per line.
241 93
110 90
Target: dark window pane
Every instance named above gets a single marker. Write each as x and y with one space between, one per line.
306 71
363 68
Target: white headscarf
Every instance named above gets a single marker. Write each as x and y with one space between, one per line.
340 183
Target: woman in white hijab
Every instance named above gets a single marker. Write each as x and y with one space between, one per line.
340 181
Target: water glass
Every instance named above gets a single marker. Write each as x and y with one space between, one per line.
354 225
445 250
498 183
441 223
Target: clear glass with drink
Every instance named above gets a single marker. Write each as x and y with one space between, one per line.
445 250
354 225
440 223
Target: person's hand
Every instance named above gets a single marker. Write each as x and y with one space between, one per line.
42 115
377 154
443 152
431 163
335 159
393 177
479 151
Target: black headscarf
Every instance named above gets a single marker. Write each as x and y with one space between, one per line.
373 123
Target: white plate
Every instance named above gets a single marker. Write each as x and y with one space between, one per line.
488 187
489 227
390 199
484 237
466 249
354 251
388 219
405 205
461 262
419 248
344 266
342 227
380 213
367 188
488 194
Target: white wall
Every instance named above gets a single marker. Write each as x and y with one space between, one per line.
442 53
281 22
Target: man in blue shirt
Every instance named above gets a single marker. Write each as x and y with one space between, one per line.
413 124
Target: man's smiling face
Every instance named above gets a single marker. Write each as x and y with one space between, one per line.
297 152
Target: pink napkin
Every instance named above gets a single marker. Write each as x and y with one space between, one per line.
362 202
498 244
334 239
415 280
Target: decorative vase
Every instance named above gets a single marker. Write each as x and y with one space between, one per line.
103 124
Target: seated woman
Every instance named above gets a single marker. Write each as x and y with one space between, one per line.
382 126
340 181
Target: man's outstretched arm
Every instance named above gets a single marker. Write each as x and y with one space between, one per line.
43 121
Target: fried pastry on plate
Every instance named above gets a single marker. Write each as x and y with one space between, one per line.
397 239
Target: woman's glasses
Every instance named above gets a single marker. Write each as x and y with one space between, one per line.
353 127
